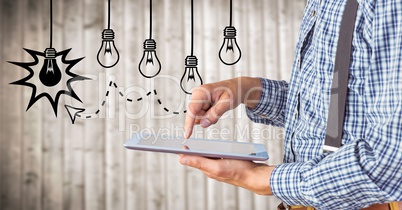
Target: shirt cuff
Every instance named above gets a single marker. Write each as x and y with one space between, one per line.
271 107
286 183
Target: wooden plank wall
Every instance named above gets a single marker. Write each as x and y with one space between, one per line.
47 163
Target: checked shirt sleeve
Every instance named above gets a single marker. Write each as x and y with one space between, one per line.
352 178
271 108
363 171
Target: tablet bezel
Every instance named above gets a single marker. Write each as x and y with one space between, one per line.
132 143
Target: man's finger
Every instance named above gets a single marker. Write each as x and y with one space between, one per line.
202 163
188 125
199 103
190 121
217 110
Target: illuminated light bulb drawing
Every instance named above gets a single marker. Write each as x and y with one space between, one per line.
191 78
230 52
150 65
50 74
108 55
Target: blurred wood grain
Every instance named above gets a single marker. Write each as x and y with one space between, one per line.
47 163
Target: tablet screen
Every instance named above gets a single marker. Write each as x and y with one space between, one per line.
199 145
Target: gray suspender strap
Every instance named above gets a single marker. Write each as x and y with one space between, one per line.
336 112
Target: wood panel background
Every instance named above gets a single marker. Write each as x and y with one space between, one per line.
47 163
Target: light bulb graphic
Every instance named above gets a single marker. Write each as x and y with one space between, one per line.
50 74
230 52
191 78
150 65
108 56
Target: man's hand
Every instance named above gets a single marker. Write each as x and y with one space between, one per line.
246 174
209 102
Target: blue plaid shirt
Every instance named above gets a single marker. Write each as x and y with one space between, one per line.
367 169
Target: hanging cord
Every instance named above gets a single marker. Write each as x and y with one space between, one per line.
108 14
192 27
51 23
230 21
150 19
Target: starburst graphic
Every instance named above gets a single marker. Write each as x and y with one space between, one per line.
33 73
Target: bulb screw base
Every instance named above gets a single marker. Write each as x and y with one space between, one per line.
191 61
149 44
229 32
108 34
50 53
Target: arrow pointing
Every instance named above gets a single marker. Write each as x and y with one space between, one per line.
73 111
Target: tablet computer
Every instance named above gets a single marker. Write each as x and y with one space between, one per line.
198 147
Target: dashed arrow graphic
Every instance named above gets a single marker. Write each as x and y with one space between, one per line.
75 112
